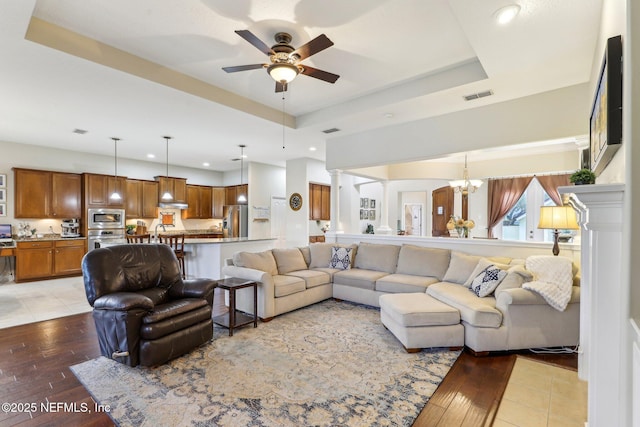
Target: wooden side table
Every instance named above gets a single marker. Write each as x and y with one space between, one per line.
235 318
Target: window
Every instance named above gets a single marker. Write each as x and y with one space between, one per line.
521 222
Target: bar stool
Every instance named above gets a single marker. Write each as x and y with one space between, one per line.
176 242
138 238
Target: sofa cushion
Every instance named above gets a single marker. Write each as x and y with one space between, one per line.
378 257
481 312
262 261
487 281
287 285
321 254
516 276
358 278
420 261
460 267
289 260
418 310
312 278
404 283
328 270
306 254
340 258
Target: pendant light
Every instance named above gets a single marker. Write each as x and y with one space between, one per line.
465 185
242 198
167 195
115 195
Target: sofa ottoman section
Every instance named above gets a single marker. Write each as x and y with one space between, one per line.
420 321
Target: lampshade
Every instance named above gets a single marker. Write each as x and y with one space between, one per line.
283 72
558 218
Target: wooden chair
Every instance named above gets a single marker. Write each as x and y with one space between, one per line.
176 242
138 238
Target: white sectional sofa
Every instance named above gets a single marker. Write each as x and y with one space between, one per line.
510 318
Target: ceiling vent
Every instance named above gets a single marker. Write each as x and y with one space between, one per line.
332 130
478 95
80 131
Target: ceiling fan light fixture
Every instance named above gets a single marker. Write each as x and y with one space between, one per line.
283 72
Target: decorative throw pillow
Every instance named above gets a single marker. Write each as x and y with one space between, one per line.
487 281
340 258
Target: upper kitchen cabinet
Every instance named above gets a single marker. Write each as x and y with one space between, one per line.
218 201
319 202
199 199
46 194
232 193
142 199
98 189
177 187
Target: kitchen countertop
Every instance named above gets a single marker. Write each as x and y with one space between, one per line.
47 237
208 240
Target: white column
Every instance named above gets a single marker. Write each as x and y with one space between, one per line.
604 304
384 210
336 226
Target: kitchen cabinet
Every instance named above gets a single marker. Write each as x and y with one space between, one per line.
99 188
44 259
218 201
177 187
46 194
199 199
232 193
141 199
319 202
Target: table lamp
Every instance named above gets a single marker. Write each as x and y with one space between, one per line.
557 218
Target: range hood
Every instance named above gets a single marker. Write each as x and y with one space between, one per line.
173 205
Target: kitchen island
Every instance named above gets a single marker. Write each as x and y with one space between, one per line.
204 257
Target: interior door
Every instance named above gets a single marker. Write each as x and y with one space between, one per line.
442 202
413 219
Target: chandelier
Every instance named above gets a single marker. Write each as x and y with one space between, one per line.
465 185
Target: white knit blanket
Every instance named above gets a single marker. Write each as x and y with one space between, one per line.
552 279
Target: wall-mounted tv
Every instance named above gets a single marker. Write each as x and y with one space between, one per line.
605 123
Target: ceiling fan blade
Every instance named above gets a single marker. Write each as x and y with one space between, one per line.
280 87
255 41
319 74
243 68
314 46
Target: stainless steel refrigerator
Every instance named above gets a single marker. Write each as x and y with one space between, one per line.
234 221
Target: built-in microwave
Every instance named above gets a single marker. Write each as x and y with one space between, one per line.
105 218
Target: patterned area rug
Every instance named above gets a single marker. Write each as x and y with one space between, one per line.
332 363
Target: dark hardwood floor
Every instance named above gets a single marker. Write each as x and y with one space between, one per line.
35 360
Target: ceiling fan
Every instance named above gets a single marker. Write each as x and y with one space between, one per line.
285 59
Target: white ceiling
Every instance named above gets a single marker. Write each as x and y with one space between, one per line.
399 61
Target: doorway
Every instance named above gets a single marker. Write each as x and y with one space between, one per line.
442 202
413 219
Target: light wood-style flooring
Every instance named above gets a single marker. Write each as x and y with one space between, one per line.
35 360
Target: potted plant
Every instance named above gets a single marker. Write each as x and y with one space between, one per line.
583 176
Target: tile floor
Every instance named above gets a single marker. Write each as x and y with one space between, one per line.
539 394
28 302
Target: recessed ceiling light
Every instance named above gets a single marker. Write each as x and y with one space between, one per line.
151 156
312 148
507 14
388 115
206 164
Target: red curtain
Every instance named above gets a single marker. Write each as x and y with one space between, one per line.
550 183
503 195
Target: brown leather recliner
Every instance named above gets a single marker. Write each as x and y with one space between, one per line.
144 312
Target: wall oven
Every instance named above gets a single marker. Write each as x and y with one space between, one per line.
105 227
105 218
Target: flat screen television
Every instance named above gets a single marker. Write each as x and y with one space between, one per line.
5 233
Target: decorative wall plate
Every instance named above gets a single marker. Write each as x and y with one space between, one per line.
295 201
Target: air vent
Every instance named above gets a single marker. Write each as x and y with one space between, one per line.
478 95
332 130
80 131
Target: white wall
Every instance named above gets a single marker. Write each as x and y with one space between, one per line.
297 221
266 181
